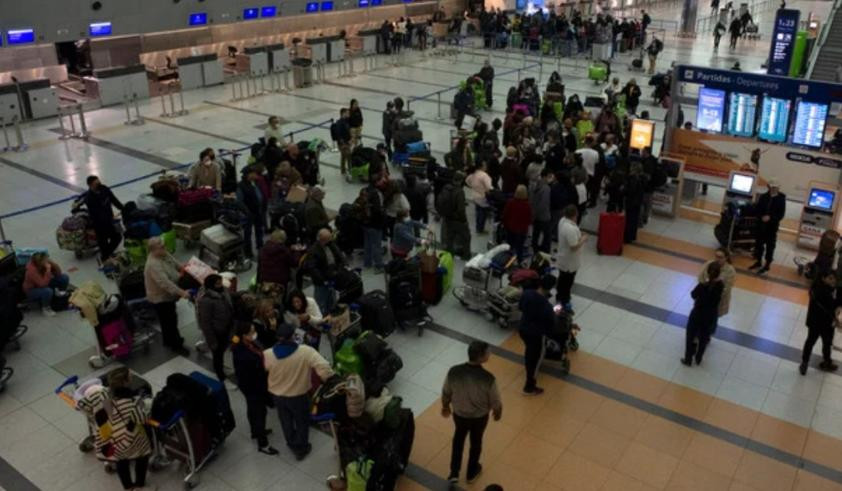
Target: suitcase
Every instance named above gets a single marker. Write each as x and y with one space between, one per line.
503 305
220 396
517 40
596 72
610 234
193 197
376 312
116 338
136 250
476 278
417 148
349 286
219 240
132 284
546 46
190 232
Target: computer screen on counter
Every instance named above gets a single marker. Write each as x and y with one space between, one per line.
821 199
741 183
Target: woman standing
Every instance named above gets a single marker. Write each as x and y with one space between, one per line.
821 316
121 432
706 296
355 122
215 316
517 217
251 379
633 200
727 274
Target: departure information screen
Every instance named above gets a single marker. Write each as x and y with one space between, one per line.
741 114
269 11
198 19
809 124
250 13
711 110
774 119
100 29
20 36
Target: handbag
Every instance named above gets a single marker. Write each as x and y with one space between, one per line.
428 256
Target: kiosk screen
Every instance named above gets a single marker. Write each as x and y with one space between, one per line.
774 119
198 19
821 199
20 36
99 29
741 183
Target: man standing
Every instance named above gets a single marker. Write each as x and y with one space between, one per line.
470 392
486 73
215 316
254 203
569 256
538 318
652 182
290 366
539 200
160 276
325 261
771 208
99 199
340 131
654 49
450 205
590 159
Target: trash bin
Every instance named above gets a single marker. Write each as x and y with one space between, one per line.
302 72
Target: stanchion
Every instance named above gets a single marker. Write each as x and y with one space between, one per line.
287 87
351 72
540 71
438 106
164 103
182 111
6 133
128 110
518 75
262 82
172 105
63 112
138 118
83 127
21 145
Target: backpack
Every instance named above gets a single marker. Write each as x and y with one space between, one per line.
334 131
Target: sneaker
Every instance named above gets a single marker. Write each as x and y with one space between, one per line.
756 265
48 312
802 369
453 480
828 366
473 477
268 450
535 391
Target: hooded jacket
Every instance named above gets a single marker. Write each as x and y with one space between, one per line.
289 366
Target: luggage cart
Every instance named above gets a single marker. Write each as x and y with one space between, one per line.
140 320
352 330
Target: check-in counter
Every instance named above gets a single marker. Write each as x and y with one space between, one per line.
318 49
39 99
335 48
199 71
278 56
370 38
258 60
9 106
113 85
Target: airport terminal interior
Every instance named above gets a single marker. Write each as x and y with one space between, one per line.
629 415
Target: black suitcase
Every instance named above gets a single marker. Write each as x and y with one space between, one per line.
349 286
377 315
132 285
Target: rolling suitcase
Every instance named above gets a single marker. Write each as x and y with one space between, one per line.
376 312
611 232
220 397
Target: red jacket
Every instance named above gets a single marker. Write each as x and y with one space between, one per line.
517 216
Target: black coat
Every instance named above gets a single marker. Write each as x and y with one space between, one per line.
318 268
99 205
821 310
705 311
248 366
775 207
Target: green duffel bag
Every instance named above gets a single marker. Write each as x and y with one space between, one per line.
169 240
346 360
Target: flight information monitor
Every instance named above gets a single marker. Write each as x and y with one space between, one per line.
20 36
312 7
250 13
269 11
99 29
810 118
327 6
362 3
774 119
711 110
741 114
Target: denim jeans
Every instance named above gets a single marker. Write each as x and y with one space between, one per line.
324 297
372 247
45 295
482 215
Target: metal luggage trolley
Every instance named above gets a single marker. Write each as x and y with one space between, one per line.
741 232
140 320
337 335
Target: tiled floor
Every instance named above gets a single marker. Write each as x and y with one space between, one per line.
629 417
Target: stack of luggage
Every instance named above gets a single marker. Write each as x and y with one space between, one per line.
362 158
76 234
406 131
403 284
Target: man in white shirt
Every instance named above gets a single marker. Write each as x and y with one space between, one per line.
569 255
590 158
480 183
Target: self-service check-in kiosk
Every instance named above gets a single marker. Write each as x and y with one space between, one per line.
817 214
666 200
738 225
741 188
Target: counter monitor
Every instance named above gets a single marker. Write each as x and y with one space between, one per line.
198 19
99 29
250 13
20 36
741 183
269 11
312 7
327 6
821 199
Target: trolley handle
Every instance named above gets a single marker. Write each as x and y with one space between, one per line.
169 424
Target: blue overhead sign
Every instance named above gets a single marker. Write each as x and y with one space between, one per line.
759 84
783 41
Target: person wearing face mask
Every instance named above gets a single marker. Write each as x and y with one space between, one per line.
247 355
771 208
206 172
215 316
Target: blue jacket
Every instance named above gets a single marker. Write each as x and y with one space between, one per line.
403 235
538 317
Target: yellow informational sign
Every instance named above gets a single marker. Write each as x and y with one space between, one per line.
642 133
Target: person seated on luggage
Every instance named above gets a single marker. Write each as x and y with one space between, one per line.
251 197
274 130
99 200
42 280
274 265
303 313
315 215
537 321
405 235
290 368
325 260
517 217
205 173
247 356
120 414
215 317
160 276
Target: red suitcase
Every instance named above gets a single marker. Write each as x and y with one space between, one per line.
612 228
